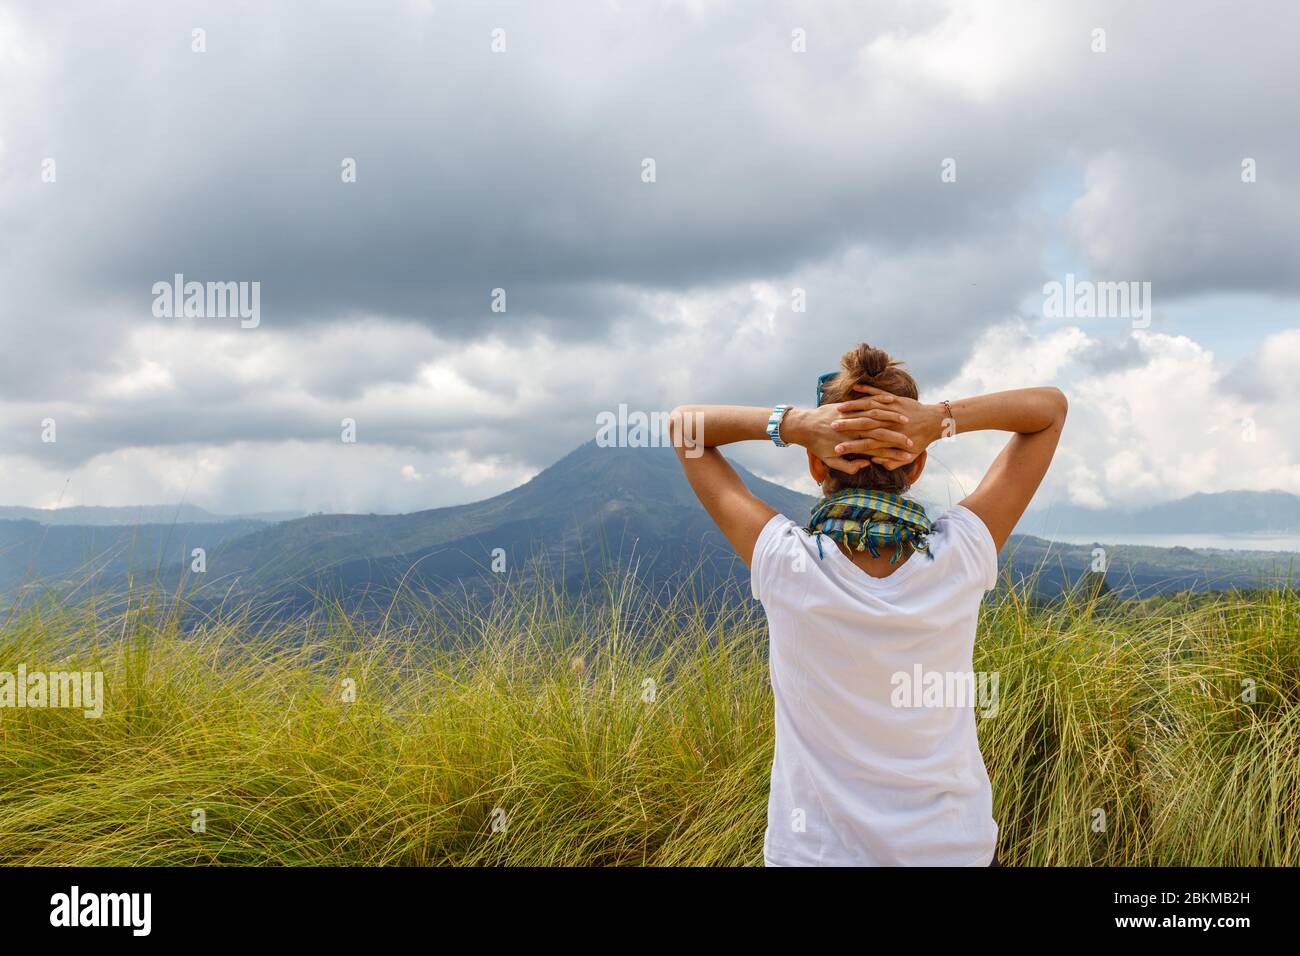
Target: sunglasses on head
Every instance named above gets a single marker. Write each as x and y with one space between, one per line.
821 384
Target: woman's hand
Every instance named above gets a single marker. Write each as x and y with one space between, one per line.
874 431
858 424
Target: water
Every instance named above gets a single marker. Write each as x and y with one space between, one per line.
1238 542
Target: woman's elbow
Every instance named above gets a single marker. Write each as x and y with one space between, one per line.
675 423
678 420
1060 404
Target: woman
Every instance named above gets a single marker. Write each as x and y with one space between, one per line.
869 597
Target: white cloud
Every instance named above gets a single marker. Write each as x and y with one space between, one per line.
817 171
976 50
1162 427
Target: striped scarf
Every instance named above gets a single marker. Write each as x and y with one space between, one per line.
869 519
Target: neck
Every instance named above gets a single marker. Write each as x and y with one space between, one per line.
828 490
876 567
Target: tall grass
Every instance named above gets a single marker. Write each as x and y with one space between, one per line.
634 729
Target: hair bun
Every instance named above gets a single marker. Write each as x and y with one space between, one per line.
864 362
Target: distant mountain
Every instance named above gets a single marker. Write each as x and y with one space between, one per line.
598 507
1223 512
96 516
1139 570
594 510
78 558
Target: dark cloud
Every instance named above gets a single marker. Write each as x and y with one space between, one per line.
1102 356
522 171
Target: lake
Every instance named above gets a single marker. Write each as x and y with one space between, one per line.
1238 542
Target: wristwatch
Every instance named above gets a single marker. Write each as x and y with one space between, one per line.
774 425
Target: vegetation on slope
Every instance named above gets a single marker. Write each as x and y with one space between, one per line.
626 728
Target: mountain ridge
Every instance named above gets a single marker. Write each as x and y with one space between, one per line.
1220 512
592 507
1239 511
100 516
595 509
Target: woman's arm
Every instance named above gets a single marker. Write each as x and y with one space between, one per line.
698 430
1036 415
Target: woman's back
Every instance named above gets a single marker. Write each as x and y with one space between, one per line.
876 760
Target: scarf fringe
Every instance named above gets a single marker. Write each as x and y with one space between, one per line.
864 520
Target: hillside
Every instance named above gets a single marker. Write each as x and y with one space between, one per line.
35 557
536 704
599 507
595 509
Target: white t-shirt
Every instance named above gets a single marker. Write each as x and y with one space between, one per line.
877 764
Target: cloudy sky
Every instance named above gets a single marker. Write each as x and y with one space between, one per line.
920 170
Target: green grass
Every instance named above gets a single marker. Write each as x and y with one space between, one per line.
535 712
